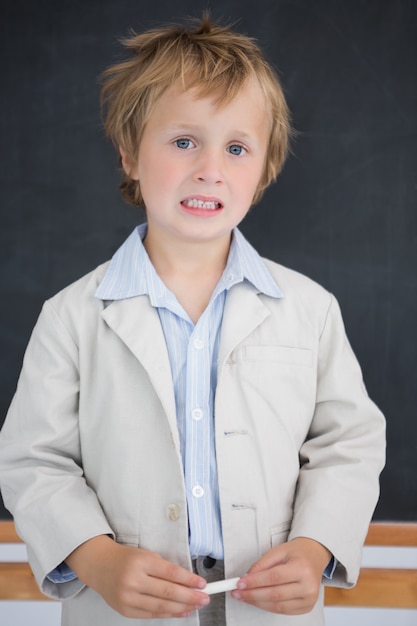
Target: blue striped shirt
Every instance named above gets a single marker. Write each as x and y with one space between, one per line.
193 352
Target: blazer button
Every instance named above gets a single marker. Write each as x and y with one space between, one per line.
173 512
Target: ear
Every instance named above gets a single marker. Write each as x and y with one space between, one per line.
130 169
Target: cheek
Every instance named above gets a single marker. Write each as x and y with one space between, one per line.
160 178
249 181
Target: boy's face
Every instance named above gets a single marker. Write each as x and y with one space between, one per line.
199 165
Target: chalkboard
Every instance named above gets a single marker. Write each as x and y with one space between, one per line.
343 211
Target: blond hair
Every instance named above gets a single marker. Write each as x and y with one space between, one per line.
204 56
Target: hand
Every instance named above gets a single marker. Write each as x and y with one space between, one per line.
287 579
137 583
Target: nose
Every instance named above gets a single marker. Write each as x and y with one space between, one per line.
209 167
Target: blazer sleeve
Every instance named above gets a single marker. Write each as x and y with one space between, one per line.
41 471
342 456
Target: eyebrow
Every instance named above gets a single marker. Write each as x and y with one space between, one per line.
183 126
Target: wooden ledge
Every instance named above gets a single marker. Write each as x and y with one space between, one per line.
8 533
17 582
378 587
383 534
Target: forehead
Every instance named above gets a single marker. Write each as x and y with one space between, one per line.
221 91
177 100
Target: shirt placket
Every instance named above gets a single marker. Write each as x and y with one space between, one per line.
198 424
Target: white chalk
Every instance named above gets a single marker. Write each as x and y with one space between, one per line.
220 586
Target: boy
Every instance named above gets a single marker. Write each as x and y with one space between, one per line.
189 411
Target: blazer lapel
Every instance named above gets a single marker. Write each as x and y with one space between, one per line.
138 326
244 311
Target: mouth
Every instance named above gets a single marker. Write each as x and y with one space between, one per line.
204 204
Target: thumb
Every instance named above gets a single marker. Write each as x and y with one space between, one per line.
276 556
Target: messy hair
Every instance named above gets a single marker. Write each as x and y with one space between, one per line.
207 57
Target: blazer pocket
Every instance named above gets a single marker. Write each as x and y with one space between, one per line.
278 354
280 533
127 540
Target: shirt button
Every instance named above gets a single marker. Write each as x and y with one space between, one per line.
198 344
173 512
196 414
198 491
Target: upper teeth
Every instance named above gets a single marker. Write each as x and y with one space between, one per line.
200 204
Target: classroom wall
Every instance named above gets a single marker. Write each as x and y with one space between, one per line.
343 211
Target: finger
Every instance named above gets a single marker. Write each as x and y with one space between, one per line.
173 593
146 615
271 594
284 574
285 599
165 603
165 570
159 595
277 556
290 607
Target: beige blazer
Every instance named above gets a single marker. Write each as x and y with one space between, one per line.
91 446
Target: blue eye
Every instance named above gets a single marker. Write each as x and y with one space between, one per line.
236 149
184 143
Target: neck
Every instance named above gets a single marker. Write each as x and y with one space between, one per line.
190 270
174 256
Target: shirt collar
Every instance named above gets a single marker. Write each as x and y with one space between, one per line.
244 263
130 272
